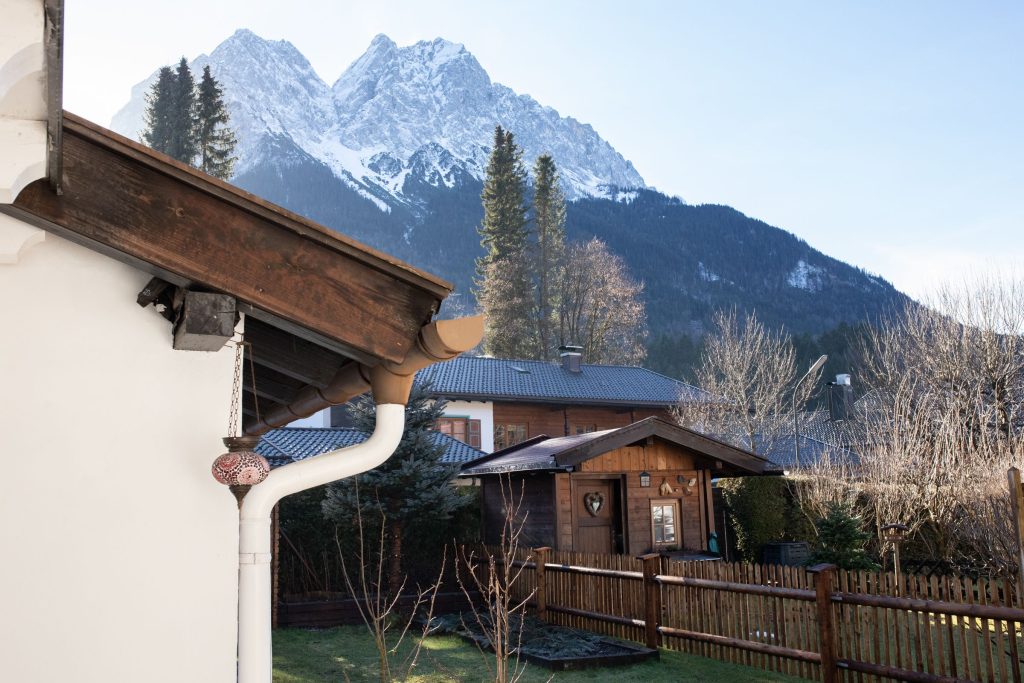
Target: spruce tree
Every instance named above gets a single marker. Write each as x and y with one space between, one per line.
413 489
549 219
214 138
503 231
842 540
504 288
158 111
182 115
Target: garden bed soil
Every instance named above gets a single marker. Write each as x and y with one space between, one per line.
558 648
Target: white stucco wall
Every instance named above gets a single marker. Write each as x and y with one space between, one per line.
119 558
476 410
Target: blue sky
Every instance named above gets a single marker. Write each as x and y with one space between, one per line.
886 134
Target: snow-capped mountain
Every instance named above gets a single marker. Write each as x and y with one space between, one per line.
425 112
393 154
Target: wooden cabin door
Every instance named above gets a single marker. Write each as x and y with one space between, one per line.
595 515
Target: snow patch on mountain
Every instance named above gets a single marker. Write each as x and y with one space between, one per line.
805 276
423 112
706 274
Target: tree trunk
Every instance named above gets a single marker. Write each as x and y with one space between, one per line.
395 560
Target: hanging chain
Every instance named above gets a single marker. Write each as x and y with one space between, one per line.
234 423
236 391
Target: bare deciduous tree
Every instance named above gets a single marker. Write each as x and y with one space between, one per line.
824 483
942 429
380 609
752 371
601 308
494 577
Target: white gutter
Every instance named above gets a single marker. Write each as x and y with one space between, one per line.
255 651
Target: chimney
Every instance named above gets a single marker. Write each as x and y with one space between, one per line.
840 398
572 358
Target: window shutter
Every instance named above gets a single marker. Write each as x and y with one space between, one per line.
474 433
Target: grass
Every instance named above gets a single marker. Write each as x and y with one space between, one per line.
347 653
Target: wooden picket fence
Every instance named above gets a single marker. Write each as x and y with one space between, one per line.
822 623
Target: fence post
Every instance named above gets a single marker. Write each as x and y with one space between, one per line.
824 577
541 560
652 599
1017 509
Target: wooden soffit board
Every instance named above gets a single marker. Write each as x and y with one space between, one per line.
146 209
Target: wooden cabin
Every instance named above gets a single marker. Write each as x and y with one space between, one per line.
645 487
495 403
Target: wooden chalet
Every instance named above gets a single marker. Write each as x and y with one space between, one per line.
494 403
640 488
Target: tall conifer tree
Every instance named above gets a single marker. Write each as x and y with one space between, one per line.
503 230
158 111
549 219
504 288
182 144
214 138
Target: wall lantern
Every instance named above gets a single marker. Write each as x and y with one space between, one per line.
645 479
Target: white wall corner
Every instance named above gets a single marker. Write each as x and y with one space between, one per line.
16 238
23 148
22 156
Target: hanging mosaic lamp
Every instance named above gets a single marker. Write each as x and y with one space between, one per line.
241 467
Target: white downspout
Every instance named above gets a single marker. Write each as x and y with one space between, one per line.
255 654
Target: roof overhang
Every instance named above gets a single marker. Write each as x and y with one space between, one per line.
315 300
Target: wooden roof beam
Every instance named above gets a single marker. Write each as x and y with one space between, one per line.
146 209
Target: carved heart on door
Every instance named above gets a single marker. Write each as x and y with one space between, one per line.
593 501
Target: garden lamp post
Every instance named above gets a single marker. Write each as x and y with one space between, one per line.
796 415
895 533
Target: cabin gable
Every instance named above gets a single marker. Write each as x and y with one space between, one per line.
658 455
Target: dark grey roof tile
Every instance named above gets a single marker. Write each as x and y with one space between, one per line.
290 444
530 380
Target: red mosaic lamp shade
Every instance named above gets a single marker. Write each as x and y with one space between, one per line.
241 467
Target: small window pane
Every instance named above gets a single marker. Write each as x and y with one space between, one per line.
506 435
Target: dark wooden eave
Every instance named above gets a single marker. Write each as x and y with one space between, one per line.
144 208
314 299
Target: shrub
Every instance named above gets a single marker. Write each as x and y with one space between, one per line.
757 509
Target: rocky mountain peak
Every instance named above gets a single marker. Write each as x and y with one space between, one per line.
391 102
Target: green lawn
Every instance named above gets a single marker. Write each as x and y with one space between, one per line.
337 654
